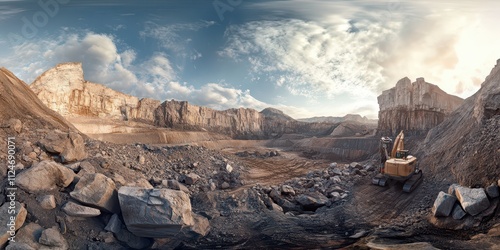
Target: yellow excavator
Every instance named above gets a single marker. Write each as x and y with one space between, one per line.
399 165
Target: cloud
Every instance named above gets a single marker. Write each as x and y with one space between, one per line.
105 63
7 12
309 58
172 37
159 66
361 48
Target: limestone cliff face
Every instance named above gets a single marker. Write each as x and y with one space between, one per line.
234 122
414 107
238 123
64 90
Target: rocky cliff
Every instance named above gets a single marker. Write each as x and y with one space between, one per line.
235 122
346 118
239 123
414 107
64 90
466 146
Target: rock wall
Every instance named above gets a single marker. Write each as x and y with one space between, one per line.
235 122
414 107
239 123
64 90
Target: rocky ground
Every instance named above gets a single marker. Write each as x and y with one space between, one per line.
74 192
325 204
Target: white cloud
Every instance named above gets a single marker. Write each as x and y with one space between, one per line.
364 47
159 66
310 58
7 12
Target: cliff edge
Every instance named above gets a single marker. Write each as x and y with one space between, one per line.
414 107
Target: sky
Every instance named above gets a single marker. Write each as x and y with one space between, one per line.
305 57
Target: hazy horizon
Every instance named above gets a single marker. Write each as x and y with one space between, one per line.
306 58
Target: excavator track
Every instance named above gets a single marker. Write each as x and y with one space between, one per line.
413 182
379 180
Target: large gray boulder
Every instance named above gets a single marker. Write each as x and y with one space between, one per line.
70 146
443 204
473 200
312 200
45 176
156 213
97 190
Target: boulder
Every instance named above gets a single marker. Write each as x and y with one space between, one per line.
77 210
97 190
451 189
337 171
287 190
473 200
335 196
75 148
70 146
19 246
191 178
175 185
201 227
458 213
45 176
47 201
11 222
312 200
114 224
356 165
133 241
443 204
155 213
492 191
28 235
52 237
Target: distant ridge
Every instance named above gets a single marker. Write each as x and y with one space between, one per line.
346 118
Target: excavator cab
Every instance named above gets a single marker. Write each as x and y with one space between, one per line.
399 165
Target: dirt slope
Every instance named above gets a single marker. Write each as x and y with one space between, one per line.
18 101
466 146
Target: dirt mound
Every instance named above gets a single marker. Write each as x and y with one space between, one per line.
466 146
18 101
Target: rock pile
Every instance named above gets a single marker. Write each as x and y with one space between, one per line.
111 185
464 207
315 190
258 154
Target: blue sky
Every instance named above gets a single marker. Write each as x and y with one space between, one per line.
305 57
